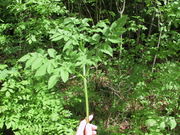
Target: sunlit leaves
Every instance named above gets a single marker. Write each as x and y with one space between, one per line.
75 34
54 116
31 39
3 74
24 91
150 122
162 125
172 122
1 123
83 59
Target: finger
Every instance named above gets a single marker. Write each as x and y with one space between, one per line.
81 127
88 130
94 132
94 127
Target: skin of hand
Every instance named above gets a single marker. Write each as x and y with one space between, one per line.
86 128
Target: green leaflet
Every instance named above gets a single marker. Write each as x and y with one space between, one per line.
42 70
107 49
31 39
52 53
1 123
3 66
162 125
115 40
30 61
118 23
67 46
64 74
50 67
150 122
119 31
3 74
37 63
83 60
172 122
54 116
96 37
8 94
24 58
116 28
52 81
101 24
57 37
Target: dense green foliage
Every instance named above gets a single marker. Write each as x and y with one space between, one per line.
126 51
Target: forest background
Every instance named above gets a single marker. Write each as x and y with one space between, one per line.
127 51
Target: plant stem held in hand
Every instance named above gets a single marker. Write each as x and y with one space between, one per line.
86 93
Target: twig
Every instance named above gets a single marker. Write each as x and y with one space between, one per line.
158 44
121 11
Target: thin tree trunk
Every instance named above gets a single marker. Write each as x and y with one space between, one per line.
121 11
151 25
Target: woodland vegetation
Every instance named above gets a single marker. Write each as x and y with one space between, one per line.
122 55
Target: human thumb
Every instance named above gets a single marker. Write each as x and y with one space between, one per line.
90 117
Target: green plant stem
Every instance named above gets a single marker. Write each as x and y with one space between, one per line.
86 93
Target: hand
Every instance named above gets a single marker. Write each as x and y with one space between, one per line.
86 128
